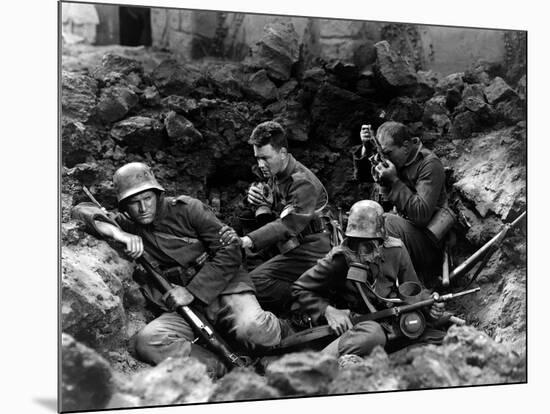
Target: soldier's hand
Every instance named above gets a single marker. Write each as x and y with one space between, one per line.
437 309
338 319
365 134
386 174
256 195
133 243
228 235
178 296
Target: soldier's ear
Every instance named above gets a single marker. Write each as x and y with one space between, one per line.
283 152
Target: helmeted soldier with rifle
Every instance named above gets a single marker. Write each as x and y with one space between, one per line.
177 240
369 272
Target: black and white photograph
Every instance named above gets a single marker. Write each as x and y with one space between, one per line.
264 207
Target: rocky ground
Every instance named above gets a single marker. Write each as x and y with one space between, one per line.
190 121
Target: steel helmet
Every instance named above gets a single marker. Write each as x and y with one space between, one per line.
366 219
134 178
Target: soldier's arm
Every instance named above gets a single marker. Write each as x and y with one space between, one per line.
311 290
297 214
420 205
109 226
223 261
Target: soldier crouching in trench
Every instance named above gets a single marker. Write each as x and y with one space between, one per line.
293 207
175 231
361 275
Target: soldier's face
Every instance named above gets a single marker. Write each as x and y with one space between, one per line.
142 207
396 154
270 161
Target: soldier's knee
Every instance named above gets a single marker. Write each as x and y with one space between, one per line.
362 338
259 328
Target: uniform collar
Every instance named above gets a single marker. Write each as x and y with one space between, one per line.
418 151
288 170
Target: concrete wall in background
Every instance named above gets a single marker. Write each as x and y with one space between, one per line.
194 34
454 49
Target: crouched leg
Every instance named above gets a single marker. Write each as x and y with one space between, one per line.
359 340
170 335
250 323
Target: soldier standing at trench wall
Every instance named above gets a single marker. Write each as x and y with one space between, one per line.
295 200
414 182
175 232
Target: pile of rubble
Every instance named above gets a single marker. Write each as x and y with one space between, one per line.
191 121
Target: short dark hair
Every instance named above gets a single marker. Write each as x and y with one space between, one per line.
269 132
396 130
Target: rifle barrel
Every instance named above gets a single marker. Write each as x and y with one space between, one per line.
473 259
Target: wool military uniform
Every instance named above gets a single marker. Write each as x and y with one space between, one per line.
183 230
327 283
417 194
298 231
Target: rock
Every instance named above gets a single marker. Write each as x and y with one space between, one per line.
115 102
491 174
176 380
404 109
427 81
333 106
122 400
78 143
498 90
180 104
393 70
242 385
277 51
463 125
454 81
92 291
181 130
78 96
436 113
139 133
304 373
112 64
295 119
173 78
344 71
86 378
287 88
372 373
260 87
226 79
511 111
473 97
151 96
85 173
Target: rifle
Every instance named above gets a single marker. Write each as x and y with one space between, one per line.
199 324
406 319
484 252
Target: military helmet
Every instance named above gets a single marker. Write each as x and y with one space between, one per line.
134 178
366 220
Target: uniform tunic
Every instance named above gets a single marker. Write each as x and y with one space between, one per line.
326 283
417 194
183 229
298 196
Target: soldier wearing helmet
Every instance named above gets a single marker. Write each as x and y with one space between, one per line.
361 275
181 236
